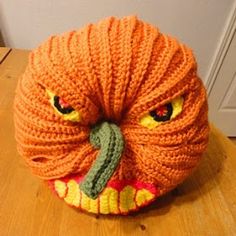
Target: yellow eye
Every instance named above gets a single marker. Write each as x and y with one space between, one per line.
63 108
162 114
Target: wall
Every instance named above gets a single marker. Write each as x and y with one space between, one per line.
198 23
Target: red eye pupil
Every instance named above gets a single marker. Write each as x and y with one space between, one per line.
63 103
161 111
62 106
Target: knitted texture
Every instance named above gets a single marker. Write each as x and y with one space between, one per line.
117 198
123 71
109 138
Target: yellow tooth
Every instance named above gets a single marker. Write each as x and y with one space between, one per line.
60 187
104 201
113 201
127 199
143 196
89 204
109 201
93 205
85 201
73 195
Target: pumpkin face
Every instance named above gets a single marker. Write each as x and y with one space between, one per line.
112 116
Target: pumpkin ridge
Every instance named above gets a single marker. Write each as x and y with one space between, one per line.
127 75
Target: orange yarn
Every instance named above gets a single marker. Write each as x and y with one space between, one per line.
117 70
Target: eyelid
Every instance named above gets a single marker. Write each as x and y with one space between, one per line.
73 116
148 121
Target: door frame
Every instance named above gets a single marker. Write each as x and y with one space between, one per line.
221 50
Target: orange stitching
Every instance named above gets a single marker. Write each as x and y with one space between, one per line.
117 70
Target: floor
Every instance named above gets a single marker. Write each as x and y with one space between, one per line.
203 203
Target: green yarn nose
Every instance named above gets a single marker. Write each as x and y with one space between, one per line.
109 139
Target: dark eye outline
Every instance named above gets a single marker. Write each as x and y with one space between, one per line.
167 112
68 112
159 117
63 110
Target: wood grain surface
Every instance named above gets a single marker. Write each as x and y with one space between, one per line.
205 204
3 53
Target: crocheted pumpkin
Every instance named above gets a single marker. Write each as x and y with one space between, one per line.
112 115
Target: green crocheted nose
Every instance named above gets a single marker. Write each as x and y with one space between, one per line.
109 139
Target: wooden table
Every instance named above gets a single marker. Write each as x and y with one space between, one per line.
205 204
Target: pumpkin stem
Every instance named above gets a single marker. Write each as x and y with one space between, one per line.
107 137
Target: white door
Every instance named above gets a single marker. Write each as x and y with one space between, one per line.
222 97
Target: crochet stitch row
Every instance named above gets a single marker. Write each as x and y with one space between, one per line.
117 70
